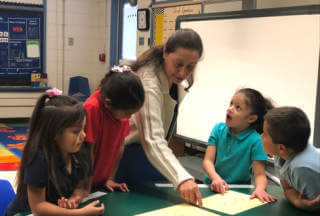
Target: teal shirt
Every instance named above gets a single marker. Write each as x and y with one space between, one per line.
235 153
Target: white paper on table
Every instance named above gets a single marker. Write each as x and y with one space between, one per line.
94 195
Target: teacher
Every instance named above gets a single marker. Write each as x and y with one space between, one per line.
162 69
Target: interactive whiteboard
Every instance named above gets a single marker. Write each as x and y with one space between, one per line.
275 51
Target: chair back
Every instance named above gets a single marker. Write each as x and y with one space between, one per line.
79 88
6 195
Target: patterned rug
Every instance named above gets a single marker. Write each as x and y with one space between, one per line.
13 137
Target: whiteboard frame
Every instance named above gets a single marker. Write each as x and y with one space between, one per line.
300 10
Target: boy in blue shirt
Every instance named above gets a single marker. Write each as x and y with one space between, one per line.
286 131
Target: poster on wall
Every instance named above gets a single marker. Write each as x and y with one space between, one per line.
20 45
165 20
171 14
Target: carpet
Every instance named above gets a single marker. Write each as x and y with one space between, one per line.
13 137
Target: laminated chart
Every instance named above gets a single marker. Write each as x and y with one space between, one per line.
20 45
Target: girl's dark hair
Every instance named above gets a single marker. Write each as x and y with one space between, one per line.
258 104
182 38
288 126
51 116
124 88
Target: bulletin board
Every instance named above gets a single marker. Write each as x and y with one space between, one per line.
164 20
21 46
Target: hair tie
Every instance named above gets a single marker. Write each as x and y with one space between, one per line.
121 68
53 92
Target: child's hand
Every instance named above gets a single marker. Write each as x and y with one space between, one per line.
62 203
262 195
92 209
74 202
111 185
219 185
69 203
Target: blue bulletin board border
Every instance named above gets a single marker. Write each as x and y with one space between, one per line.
10 80
285 11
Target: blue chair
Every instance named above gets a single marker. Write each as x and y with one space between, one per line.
6 195
79 88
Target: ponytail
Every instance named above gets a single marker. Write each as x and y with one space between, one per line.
259 106
36 113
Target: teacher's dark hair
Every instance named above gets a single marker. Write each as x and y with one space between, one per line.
182 38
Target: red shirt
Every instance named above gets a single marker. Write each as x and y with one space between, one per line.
107 133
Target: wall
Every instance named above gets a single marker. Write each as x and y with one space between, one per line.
77 31
284 3
144 34
232 5
36 2
223 6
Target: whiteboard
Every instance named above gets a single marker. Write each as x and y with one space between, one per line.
276 55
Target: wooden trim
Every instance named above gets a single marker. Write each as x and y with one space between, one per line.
172 4
190 2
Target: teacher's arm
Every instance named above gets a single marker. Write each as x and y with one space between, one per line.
152 136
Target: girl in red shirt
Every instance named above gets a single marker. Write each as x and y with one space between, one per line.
108 109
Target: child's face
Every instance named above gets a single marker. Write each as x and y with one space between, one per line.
71 139
123 114
239 115
268 145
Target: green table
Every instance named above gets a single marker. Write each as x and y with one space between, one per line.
147 197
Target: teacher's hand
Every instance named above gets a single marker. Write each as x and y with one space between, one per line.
189 191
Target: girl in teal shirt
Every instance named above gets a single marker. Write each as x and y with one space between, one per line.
235 146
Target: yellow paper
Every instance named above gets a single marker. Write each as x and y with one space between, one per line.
179 210
158 29
231 202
